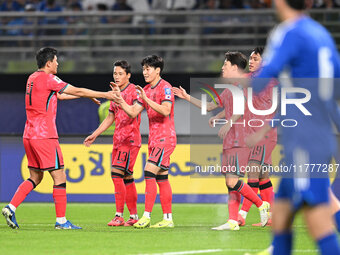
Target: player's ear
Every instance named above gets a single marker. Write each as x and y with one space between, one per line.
129 75
158 70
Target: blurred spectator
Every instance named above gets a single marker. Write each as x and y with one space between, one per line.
12 5
231 4
328 4
257 4
121 5
51 6
76 24
91 5
22 27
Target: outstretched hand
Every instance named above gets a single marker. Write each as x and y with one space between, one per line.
141 92
180 92
89 140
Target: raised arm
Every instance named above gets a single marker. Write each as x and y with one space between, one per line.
82 92
181 93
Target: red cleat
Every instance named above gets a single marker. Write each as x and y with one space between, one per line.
130 222
259 224
241 220
116 222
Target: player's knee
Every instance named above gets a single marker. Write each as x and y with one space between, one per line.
34 182
231 182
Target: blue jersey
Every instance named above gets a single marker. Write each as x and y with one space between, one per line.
304 51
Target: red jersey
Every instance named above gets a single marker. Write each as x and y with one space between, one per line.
240 129
264 101
161 128
127 129
41 105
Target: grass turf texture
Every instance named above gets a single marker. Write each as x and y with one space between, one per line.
191 233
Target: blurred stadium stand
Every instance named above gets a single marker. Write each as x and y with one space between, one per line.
190 41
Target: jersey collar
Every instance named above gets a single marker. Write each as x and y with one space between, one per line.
125 87
157 83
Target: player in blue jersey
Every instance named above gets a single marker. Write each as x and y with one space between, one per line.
306 50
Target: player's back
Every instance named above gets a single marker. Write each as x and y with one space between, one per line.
41 105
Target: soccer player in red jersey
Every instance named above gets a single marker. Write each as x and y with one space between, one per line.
260 157
158 99
260 154
126 145
41 138
235 151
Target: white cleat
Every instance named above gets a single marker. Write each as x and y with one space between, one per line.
230 225
264 213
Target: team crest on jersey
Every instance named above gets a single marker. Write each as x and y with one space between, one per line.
57 79
167 92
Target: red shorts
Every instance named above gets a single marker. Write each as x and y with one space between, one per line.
261 153
235 161
124 158
159 155
43 154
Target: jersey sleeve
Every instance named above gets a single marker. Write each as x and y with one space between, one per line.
54 83
280 52
140 101
112 107
167 94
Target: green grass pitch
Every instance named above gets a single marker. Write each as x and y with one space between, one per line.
191 235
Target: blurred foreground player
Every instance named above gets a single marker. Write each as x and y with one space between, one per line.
126 144
158 99
307 49
41 138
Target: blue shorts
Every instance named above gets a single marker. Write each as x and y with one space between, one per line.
303 186
309 191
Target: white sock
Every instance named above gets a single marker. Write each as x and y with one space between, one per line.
119 214
147 215
167 216
12 207
134 216
243 214
233 221
61 220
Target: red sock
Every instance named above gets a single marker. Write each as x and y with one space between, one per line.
120 191
248 193
233 204
165 193
60 199
23 190
150 191
266 191
131 196
254 185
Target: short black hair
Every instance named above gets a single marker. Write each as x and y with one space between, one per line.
237 58
153 61
123 64
44 55
258 50
297 4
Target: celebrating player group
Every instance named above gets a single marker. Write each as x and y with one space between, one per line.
299 43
